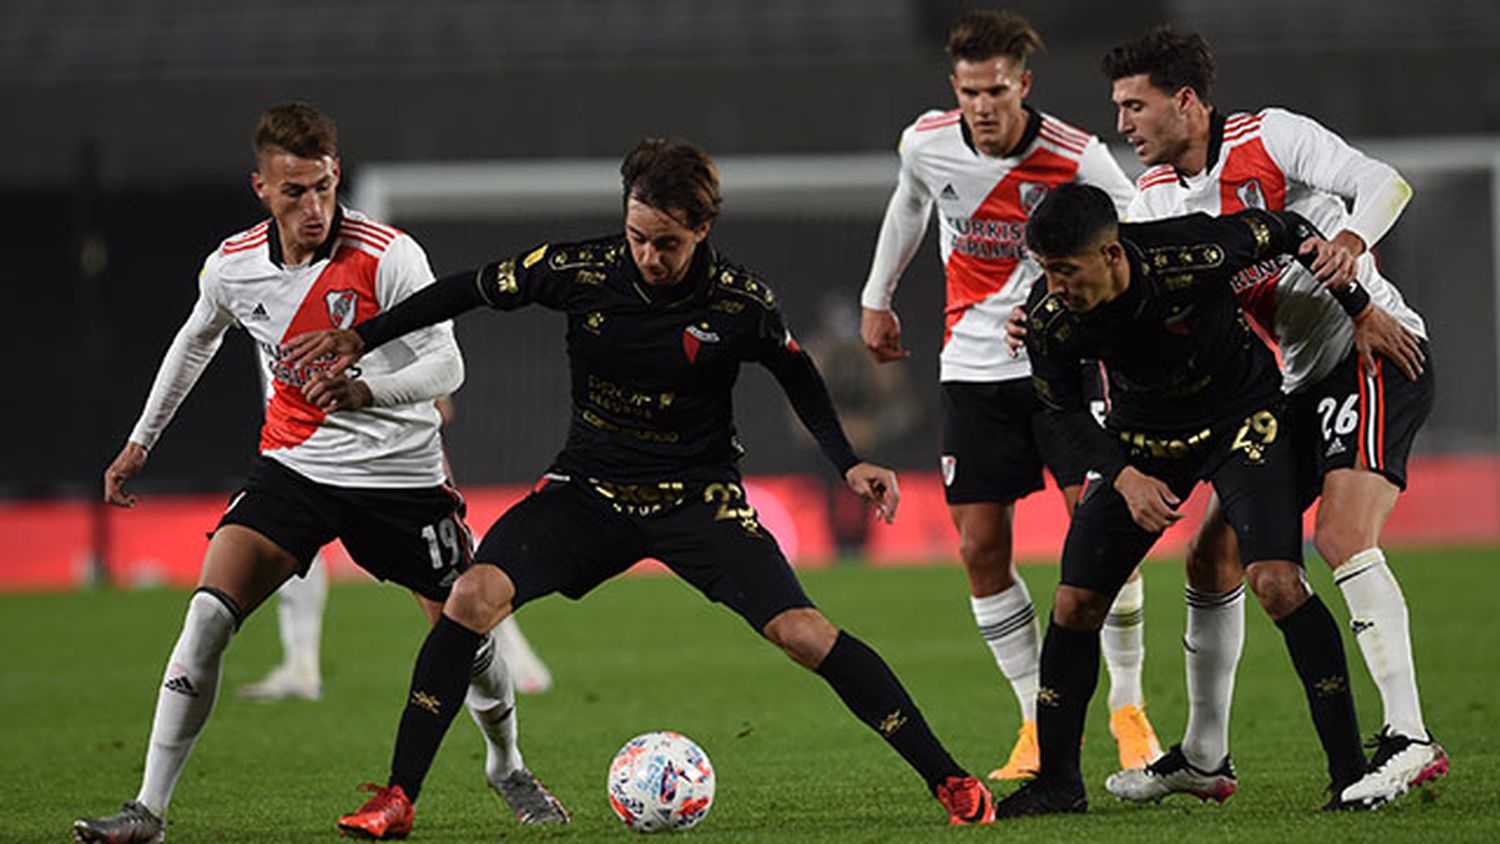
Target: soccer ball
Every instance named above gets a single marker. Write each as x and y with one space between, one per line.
661 781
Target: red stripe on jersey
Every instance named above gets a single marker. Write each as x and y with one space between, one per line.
1249 173
973 278
928 127
290 418
378 232
1258 301
378 246
248 234
245 246
953 114
1075 147
1156 176
1065 130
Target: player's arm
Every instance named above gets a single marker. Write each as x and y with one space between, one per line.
805 389
426 363
1099 168
1057 377
189 354
901 232
1310 153
504 285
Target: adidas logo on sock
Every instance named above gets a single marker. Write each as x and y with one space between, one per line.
1359 625
181 685
948 193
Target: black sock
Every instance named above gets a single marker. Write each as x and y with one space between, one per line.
1069 675
1312 638
866 685
438 685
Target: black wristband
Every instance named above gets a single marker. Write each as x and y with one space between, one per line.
1353 298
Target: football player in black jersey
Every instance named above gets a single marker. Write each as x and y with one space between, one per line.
1196 396
659 323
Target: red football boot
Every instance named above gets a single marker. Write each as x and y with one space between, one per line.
388 814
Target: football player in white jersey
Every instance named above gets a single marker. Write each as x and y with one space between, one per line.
368 470
299 619
984 166
1359 376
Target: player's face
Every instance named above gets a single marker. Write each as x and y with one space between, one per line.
989 93
1087 279
300 193
660 244
1154 122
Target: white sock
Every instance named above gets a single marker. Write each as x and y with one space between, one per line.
1124 646
1007 621
1382 627
526 667
491 702
186 697
1215 637
299 611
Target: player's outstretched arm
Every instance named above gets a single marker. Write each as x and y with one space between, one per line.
128 462
877 485
344 344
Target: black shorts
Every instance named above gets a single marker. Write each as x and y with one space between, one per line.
571 534
996 439
1360 418
1252 466
416 537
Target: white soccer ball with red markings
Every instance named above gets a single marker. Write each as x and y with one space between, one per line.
661 781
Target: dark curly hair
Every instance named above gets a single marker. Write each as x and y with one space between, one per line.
672 176
1173 60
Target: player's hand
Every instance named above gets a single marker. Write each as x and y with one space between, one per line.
329 392
304 349
1152 503
881 331
1015 330
1377 332
129 461
877 485
1333 262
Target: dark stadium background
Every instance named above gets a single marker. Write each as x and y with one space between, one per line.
125 159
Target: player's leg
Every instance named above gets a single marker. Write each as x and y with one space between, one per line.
1215 637
526 666
272 527
990 459
1256 479
1103 546
1361 424
716 543
299 618
551 541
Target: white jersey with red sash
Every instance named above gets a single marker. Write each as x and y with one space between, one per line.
982 203
364 267
1278 160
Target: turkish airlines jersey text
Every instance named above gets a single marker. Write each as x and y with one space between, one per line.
982 203
1280 161
363 268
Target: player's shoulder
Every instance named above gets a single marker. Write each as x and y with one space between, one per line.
1156 178
1050 326
1062 136
242 242
242 254
932 128
588 258
375 238
735 283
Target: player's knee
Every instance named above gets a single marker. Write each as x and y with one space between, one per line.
803 634
480 599
1337 541
1279 586
986 555
1080 609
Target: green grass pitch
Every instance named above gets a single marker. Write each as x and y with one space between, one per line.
80 673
